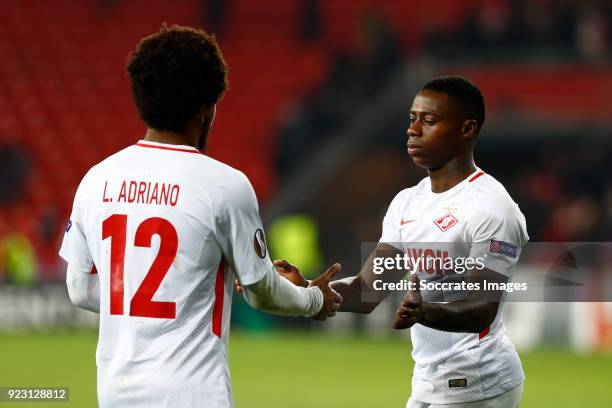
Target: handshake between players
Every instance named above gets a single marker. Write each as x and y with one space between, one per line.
331 299
407 315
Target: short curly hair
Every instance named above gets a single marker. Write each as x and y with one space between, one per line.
463 92
173 74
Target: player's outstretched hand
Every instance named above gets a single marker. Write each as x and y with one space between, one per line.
291 272
331 299
411 308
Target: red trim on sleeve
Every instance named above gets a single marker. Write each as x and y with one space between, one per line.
93 270
475 176
167 148
218 306
483 333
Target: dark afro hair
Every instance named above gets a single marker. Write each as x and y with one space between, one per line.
173 74
465 93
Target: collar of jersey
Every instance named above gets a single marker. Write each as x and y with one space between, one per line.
457 186
167 146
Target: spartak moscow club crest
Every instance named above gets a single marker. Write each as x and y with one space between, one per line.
446 222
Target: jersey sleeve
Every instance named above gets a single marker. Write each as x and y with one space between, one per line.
75 249
391 223
498 234
240 232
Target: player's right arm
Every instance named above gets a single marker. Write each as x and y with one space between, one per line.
358 293
240 235
277 295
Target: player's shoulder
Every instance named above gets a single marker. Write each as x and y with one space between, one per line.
491 204
107 163
223 183
99 170
485 186
228 175
408 194
216 176
489 195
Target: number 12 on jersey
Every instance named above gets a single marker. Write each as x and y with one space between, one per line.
142 304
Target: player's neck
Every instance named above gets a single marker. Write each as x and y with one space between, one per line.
168 137
451 174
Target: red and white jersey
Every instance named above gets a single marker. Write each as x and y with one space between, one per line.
476 219
165 227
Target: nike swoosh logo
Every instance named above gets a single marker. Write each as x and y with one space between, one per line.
402 222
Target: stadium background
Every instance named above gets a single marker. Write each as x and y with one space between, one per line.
316 117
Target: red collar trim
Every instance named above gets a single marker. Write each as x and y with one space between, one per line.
154 146
475 176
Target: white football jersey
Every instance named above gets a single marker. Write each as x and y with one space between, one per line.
165 227
476 219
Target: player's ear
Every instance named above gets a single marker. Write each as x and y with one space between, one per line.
469 130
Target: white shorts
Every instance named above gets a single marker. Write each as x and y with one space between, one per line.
509 399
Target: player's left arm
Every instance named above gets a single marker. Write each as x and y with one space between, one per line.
471 315
498 233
